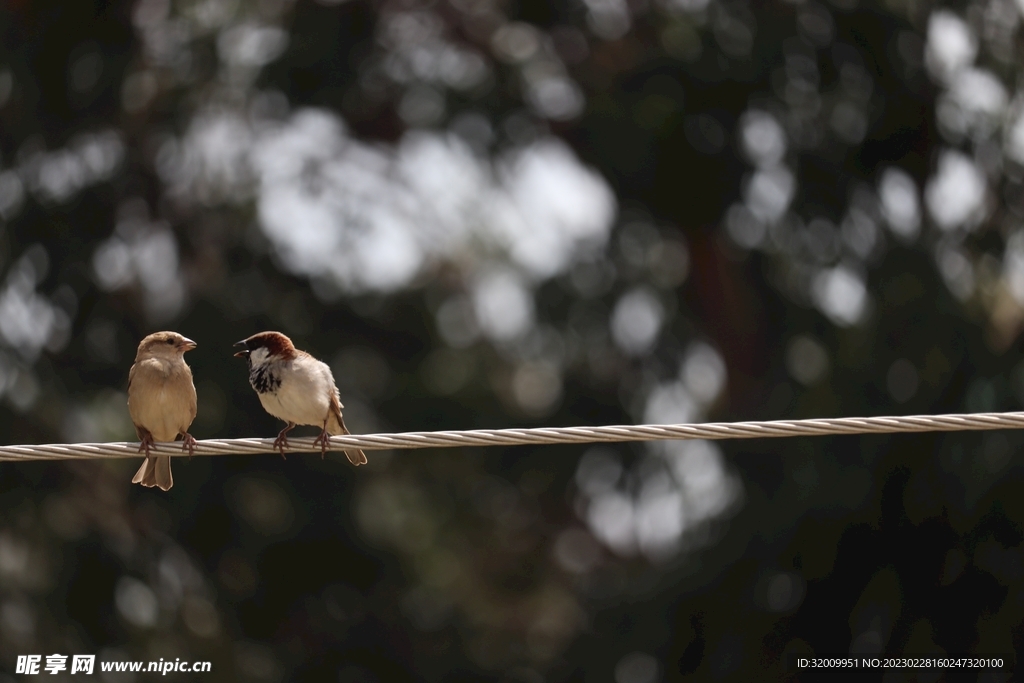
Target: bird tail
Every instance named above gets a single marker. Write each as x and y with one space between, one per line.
336 427
155 471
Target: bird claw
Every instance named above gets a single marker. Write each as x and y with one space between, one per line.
281 443
145 443
322 441
189 442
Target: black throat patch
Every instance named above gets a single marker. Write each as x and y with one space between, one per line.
263 380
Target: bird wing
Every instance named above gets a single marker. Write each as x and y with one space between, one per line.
355 456
192 400
139 431
335 412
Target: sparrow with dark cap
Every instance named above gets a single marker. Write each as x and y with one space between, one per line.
295 387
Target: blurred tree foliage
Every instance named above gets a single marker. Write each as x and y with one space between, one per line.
488 214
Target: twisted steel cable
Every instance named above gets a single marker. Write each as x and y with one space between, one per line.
539 435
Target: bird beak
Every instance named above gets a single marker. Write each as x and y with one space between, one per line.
188 344
245 350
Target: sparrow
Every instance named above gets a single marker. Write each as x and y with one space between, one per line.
161 402
295 387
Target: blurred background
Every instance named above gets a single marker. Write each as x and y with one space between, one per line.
497 213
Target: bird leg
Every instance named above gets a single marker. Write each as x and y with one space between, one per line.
323 440
189 442
281 442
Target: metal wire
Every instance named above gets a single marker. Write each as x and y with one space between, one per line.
537 436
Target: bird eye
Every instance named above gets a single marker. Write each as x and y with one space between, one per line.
170 341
